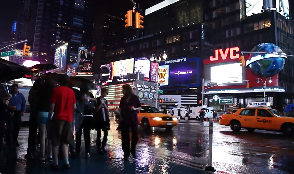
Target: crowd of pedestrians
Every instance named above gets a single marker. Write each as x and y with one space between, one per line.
58 113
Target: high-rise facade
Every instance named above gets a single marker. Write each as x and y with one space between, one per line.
62 21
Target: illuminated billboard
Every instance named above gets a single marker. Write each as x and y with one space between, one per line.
226 74
85 59
153 73
122 68
256 6
163 75
183 73
60 57
142 66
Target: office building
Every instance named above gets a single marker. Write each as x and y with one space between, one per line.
62 22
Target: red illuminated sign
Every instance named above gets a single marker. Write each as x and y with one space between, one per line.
231 52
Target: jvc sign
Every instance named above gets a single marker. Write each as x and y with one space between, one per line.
229 53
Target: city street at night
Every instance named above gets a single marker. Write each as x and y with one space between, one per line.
182 150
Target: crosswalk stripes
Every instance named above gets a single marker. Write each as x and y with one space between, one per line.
23 133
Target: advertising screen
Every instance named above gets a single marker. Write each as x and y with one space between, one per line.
85 59
255 6
122 67
106 72
183 73
142 66
163 75
60 57
227 73
154 67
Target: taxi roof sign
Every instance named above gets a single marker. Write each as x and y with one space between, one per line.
259 104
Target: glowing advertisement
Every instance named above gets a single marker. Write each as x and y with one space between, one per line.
60 57
183 73
142 66
256 6
72 69
30 63
153 73
106 72
227 73
85 59
122 68
163 75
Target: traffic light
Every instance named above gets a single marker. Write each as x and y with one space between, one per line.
26 50
242 60
139 20
247 85
129 18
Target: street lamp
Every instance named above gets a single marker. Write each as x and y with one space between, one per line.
264 85
157 59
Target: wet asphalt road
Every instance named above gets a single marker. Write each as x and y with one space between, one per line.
183 150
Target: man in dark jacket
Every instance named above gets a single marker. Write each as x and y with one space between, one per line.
101 118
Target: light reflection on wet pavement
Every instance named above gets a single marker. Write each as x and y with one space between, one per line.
182 150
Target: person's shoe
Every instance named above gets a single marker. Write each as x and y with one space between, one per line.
54 167
133 152
104 150
50 159
73 154
66 166
99 151
87 155
126 157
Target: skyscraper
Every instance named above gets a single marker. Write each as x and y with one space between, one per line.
59 22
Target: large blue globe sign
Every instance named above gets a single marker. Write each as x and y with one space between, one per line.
269 62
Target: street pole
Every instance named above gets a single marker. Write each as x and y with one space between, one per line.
202 93
157 74
209 166
264 86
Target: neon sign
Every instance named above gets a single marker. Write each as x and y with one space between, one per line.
231 52
183 72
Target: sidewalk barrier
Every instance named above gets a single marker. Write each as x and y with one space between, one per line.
209 167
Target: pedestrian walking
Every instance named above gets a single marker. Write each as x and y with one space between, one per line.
4 117
129 106
84 114
63 103
102 121
33 125
43 108
17 106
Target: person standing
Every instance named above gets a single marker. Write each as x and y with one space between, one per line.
43 108
63 103
17 106
85 113
129 105
102 122
4 115
33 125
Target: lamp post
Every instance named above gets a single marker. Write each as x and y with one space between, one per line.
157 59
264 85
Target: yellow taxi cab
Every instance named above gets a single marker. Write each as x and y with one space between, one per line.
263 118
151 117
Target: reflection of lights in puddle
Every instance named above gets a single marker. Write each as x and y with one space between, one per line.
164 167
271 162
175 141
157 141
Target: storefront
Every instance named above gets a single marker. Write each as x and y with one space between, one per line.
232 84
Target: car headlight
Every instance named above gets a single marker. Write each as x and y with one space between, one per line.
175 119
157 118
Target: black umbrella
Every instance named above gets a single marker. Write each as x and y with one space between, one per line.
42 67
81 83
10 71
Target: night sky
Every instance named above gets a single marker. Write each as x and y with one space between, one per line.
11 8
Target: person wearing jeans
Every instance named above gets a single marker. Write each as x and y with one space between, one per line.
17 106
102 122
